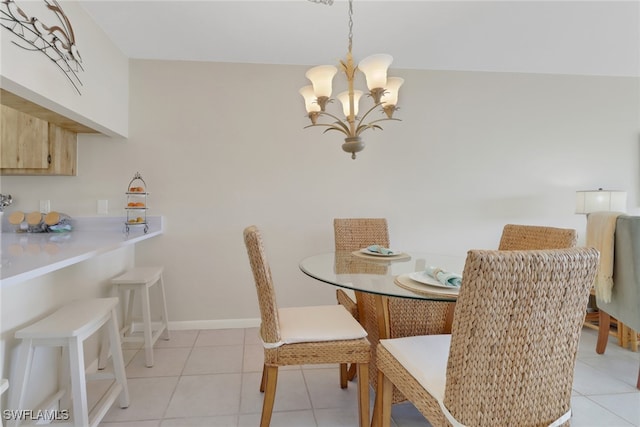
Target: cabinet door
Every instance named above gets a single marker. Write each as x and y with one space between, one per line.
63 146
24 140
60 148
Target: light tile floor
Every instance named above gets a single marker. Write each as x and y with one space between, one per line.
211 378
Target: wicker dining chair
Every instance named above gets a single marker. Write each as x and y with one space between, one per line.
352 234
303 335
487 373
516 237
407 317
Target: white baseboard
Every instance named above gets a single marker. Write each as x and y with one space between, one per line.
214 324
200 324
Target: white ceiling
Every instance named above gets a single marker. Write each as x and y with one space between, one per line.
562 37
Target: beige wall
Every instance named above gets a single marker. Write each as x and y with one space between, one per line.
222 146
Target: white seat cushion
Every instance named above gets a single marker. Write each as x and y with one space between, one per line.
318 323
425 358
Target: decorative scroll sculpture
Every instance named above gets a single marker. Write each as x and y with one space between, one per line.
57 42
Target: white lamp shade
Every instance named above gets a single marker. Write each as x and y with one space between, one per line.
309 99
343 97
390 96
600 200
321 78
375 69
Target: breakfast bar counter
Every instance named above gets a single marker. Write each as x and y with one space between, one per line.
41 272
29 255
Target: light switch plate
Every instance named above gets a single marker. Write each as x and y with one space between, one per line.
103 207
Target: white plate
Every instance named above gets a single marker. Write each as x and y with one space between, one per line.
425 279
368 252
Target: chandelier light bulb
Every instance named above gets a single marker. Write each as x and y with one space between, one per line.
390 95
389 98
309 99
375 69
343 97
322 78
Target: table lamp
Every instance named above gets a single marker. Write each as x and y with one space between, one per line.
599 200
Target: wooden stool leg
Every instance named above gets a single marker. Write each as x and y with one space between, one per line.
165 317
118 361
146 324
78 383
23 370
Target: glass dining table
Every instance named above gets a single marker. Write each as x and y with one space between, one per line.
387 279
382 277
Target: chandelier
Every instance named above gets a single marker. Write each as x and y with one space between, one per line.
383 91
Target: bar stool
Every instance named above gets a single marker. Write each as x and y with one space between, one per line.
69 327
139 280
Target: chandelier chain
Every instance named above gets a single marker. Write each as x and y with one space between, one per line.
350 25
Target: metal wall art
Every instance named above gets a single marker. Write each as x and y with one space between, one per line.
57 42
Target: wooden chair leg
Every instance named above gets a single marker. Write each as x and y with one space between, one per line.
363 393
353 370
347 373
624 335
638 383
382 408
633 340
269 395
344 375
604 322
264 378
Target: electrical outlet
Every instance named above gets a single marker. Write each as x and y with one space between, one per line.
45 206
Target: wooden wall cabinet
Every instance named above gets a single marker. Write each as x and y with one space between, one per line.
33 146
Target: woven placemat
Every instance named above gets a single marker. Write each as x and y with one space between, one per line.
397 257
404 281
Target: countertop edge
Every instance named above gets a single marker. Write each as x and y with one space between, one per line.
85 255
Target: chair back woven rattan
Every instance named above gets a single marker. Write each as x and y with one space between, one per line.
339 351
517 237
351 234
270 325
517 371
